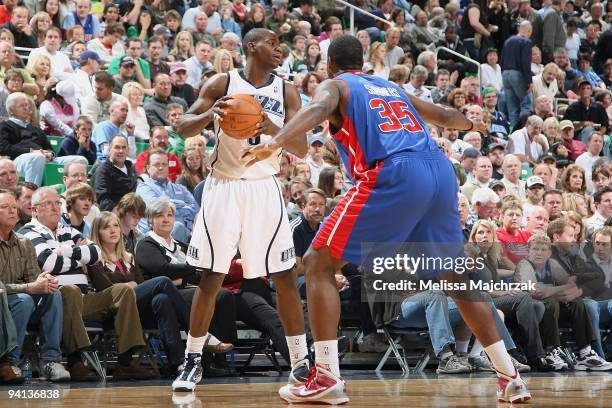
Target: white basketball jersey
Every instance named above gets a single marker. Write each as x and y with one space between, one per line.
225 160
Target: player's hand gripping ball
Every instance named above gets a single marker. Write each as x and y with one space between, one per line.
241 114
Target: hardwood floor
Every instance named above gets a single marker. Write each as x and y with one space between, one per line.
553 391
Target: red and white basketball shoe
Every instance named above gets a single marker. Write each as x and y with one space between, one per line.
512 389
321 387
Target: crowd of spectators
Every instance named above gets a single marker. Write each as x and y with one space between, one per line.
108 82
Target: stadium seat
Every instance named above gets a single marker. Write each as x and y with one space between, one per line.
252 342
526 171
141 147
393 336
54 174
104 344
55 142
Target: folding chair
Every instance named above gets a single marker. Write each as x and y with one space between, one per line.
95 330
393 336
252 342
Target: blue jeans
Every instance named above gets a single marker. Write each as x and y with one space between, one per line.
47 310
518 99
439 313
32 165
8 332
456 319
428 309
160 305
600 315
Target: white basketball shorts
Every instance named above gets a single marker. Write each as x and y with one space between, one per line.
242 215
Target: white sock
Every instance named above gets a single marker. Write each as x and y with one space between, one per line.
195 344
298 348
212 340
476 348
584 351
326 355
462 346
501 359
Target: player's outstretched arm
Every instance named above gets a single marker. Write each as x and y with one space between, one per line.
445 117
202 112
324 103
293 103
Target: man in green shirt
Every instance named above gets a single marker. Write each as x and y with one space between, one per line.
142 73
174 113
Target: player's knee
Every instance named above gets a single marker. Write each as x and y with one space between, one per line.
211 282
287 278
309 261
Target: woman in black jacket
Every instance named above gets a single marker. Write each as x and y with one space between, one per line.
160 255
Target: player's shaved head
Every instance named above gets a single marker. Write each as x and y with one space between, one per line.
255 35
346 53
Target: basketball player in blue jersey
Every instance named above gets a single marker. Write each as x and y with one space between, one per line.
405 191
242 208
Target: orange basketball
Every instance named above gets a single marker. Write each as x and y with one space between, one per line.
241 116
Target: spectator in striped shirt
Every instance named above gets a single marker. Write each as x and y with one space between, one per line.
63 251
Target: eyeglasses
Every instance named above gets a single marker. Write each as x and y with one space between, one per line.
49 204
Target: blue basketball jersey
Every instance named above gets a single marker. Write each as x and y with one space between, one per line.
379 121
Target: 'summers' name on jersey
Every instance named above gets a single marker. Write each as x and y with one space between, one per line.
380 91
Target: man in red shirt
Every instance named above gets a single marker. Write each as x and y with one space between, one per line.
6 10
574 147
159 139
511 237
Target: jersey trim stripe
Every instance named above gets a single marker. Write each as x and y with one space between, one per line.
212 165
280 220
268 83
228 84
336 231
212 249
217 143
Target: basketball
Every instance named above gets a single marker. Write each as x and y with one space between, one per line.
241 116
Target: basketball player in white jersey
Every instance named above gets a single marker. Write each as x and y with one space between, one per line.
242 208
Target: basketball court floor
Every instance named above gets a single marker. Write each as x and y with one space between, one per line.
366 389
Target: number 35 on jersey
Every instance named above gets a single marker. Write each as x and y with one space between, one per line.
396 115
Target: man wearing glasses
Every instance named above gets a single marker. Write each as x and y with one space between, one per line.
63 252
26 144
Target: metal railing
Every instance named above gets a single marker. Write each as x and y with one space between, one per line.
24 52
463 57
560 101
354 8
